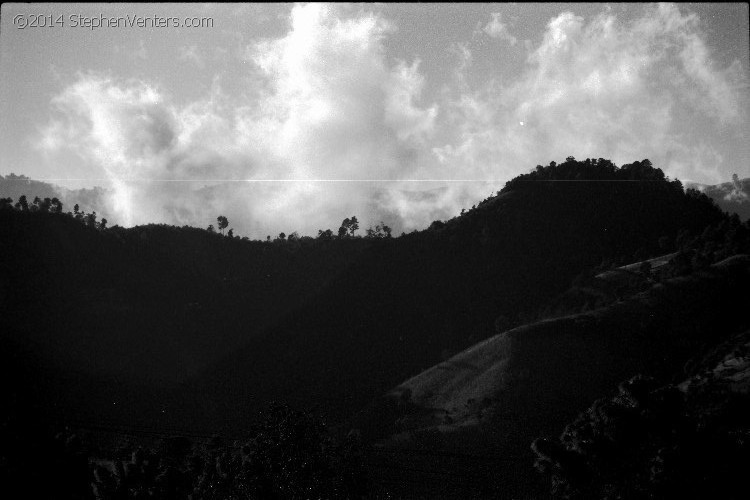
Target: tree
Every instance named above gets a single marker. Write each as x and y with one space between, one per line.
78 213
325 235
223 223
91 219
348 227
380 231
344 228
210 228
22 203
231 233
437 224
353 226
57 206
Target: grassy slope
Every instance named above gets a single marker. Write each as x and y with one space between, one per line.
494 398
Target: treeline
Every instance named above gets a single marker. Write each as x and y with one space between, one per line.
593 170
53 206
348 229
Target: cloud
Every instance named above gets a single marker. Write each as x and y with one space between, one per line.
602 88
327 113
329 108
496 28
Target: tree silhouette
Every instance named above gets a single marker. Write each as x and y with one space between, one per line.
223 223
353 226
348 227
57 206
22 203
380 231
91 219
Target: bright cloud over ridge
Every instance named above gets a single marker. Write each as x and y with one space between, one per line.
325 117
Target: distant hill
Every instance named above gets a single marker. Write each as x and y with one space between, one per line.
406 305
14 186
224 325
733 197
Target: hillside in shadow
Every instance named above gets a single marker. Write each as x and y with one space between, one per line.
408 303
590 273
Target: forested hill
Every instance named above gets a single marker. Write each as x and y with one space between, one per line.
404 306
331 320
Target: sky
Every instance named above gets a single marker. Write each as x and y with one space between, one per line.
291 117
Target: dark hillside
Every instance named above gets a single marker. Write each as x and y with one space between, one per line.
332 321
182 330
495 398
406 305
145 307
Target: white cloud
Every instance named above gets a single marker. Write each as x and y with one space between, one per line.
496 28
327 103
601 88
331 107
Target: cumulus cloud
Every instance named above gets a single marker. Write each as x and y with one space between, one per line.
603 88
331 108
329 113
496 28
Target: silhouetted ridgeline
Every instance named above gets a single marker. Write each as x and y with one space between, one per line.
186 329
403 307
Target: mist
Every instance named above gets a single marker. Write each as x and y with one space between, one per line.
327 125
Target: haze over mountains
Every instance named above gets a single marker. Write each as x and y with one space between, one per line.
733 197
182 328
